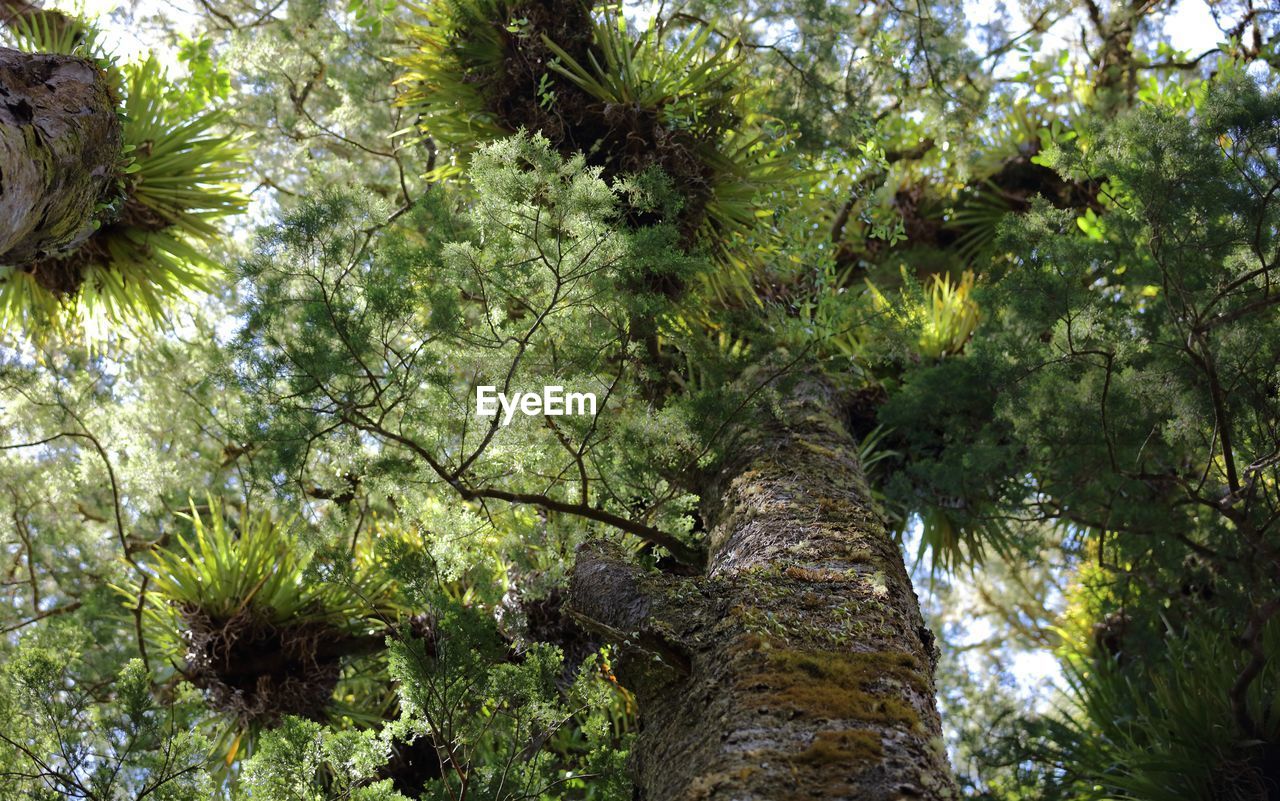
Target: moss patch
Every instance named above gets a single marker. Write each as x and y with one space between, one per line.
841 686
842 748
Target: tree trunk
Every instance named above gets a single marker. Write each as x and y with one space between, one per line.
798 666
60 142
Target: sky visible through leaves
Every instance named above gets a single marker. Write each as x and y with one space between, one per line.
1189 27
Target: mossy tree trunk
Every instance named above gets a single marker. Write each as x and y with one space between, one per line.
798 666
60 144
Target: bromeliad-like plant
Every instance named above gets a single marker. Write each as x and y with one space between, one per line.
174 180
1164 731
245 616
482 69
37 30
950 316
696 91
455 47
942 316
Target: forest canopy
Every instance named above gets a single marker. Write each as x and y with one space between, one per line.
491 400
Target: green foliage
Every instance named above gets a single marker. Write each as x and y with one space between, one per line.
647 74
260 568
471 80
54 32
206 79
457 44
354 333
60 741
1109 328
1090 378
829 68
482 721
302 760
944 314
502 729
1159 730
1124 386
698 90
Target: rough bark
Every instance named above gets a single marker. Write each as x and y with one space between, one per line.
60 142
798 666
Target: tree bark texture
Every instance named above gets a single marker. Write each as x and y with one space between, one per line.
798 666
60 141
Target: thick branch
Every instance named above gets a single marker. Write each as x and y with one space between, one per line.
617 598
60 140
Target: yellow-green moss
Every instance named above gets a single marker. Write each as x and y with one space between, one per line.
821 450
703 786
842 748
855 667
837 685
860 555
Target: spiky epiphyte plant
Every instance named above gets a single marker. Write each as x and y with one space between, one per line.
172 181
38 30
244 617
487 68
950 316
1166 730
942 316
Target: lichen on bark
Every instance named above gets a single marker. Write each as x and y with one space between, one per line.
798 666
